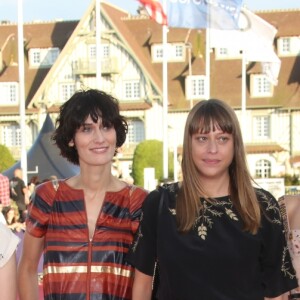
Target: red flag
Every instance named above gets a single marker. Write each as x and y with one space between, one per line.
155 10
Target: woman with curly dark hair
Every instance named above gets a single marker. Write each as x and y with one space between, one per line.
84 224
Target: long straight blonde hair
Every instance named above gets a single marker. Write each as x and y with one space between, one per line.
201 118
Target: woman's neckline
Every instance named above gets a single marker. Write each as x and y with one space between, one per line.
126 186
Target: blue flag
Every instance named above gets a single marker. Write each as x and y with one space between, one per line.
219 14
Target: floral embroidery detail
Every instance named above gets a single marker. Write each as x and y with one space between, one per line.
276 216
270 207
209 210
172 211
286 267
231 214
202 231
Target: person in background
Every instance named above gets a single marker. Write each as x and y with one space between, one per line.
12 218
34 181
4 192
8 263
19 193
2 217
216 236
86 223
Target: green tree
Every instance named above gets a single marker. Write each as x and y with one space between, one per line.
6 158
149 154
291 180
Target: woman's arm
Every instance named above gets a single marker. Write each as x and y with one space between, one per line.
27 269
142 286
8 279
284 296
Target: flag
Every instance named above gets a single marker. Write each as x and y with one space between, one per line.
221 14
155 10
255 38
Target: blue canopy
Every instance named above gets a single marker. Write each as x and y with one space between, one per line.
44 159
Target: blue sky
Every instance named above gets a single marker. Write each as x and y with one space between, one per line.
73 9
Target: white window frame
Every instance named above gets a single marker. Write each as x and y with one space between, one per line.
66 90
263 168
262 127
227 53
43 57
136 131
92 51
105 50
176 52
9 93
196 87
288 46
132 90
261 86
11 135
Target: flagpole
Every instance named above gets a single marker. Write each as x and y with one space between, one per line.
243 100
98 44
207 60
22 90
165 99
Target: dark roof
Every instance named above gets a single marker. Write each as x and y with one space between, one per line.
138 33
36 35
225 74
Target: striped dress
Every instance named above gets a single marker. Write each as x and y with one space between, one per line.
76 267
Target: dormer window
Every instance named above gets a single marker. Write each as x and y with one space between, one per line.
195 87
288 46
175 52
261 86
9 93
40 57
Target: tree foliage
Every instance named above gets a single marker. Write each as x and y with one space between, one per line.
149 154
6 158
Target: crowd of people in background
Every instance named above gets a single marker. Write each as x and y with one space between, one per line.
15 196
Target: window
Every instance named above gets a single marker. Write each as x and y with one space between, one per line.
92 52
262 127
228 53
288 46
36 57
223 51
195 87
261 86
175 52
11 135
105 51
132 90
9 93
178 51
136 131
157 53
66 91
263 169
43 57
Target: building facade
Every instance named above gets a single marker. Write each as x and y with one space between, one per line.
61 57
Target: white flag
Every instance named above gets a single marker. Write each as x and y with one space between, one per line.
255 38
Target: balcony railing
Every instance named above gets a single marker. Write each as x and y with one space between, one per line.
89 67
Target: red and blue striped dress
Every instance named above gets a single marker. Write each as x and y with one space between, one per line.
76 267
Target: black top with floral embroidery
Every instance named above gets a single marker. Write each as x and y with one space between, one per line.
217 260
